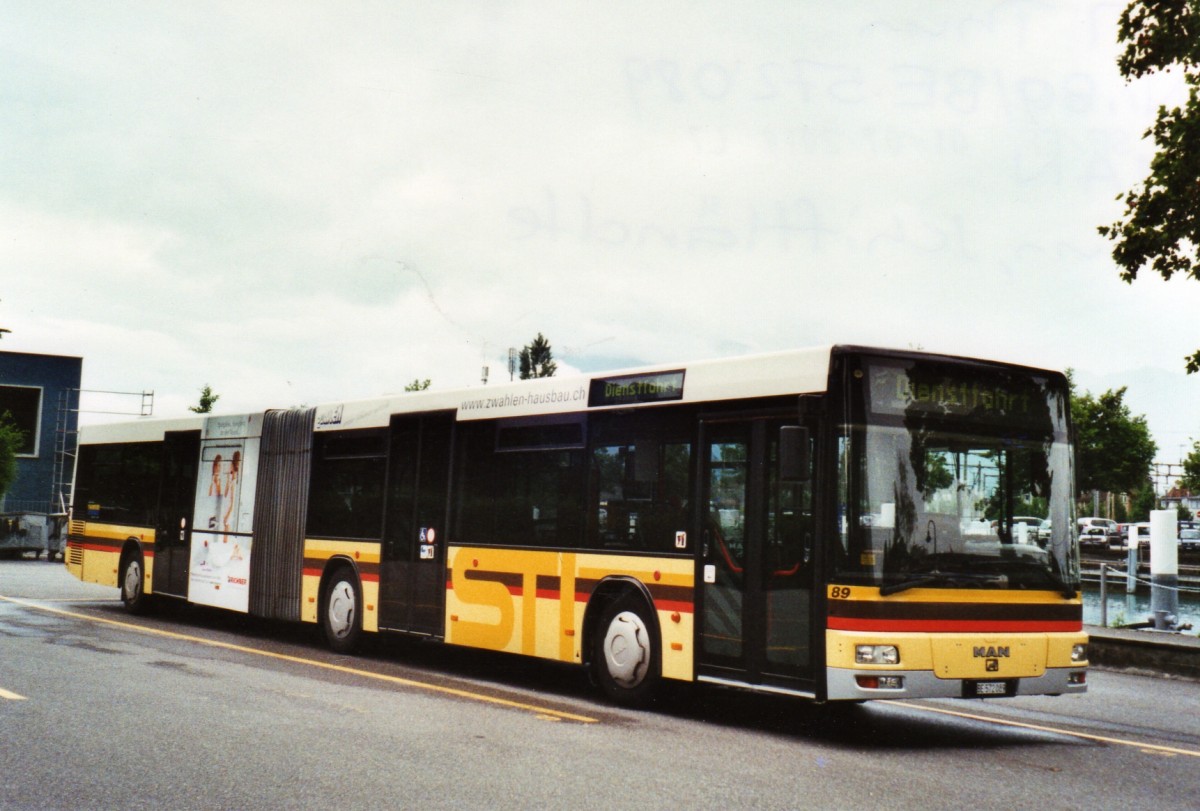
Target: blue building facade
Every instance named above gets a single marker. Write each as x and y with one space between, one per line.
40 394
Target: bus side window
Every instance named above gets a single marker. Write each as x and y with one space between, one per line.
118 483
790 507
346 496
638 487
522 496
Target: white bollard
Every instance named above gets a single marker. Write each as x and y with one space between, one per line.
1164 569
1131 560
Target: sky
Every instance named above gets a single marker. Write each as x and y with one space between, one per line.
303 202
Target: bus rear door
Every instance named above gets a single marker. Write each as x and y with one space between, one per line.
176 503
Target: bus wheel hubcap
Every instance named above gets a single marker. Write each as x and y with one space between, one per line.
341 609
627 649
133 579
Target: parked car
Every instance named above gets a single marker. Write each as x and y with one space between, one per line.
1094 537
1044 531
1107 526
1031 524
1189 540
1143 534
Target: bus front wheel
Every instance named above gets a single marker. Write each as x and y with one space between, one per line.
341 611
626 660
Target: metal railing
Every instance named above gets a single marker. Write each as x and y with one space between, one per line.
1131 582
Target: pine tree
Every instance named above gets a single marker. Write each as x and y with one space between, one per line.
207 401
537 360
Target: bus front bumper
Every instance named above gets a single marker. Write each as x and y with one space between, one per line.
873 685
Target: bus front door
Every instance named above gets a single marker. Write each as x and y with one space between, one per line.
176 503
412 580
756 568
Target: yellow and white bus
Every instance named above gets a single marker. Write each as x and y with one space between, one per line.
834 523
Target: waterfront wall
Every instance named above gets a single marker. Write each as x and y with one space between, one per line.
1144 651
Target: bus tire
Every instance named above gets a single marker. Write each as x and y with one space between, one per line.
626 660
341 611
133 584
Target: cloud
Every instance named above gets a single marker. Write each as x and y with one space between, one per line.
296 204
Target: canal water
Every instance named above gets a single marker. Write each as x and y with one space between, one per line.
1124 609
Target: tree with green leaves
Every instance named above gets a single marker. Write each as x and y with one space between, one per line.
1113 449
418 384
537 360
1190 480
12 439
1161 224
207 401
1142 501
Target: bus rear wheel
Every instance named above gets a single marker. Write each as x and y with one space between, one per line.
133 588
341 611
626 661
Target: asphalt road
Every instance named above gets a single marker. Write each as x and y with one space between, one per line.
193 708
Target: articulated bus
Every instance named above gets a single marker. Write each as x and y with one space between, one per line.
839 523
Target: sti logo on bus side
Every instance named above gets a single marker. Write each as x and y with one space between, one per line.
1001 652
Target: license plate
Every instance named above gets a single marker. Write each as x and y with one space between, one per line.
991 688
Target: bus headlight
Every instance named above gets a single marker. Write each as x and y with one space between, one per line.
1079 652
876 655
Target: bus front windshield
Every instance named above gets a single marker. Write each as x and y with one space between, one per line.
956 478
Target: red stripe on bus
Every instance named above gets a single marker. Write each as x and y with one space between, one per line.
147 551
99 547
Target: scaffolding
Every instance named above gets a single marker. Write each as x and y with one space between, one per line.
1163 474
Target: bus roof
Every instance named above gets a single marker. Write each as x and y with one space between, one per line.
779 373
802 371
792 372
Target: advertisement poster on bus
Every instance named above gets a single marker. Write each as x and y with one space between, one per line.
222 539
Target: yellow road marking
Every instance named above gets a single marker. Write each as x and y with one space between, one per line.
1148 748
10 696
434 688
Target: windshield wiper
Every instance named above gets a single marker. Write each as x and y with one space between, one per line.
905 585
1068 590
1060 584
942 578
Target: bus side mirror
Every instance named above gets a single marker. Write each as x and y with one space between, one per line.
794 444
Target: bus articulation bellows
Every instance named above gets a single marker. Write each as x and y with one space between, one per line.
839 523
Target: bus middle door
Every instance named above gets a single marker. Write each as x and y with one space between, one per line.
412 580
756 569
